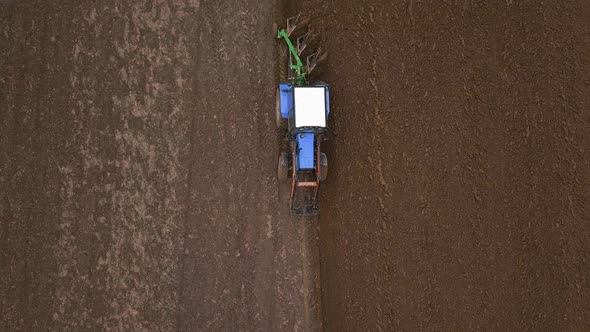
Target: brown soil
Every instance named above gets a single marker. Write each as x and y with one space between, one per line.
138 158
459 193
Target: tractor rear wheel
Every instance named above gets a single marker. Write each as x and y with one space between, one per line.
323 166
283 168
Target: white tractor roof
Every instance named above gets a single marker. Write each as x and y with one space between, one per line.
310 106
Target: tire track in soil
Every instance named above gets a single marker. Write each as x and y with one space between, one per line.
245 266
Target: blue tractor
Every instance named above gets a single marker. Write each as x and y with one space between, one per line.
302 111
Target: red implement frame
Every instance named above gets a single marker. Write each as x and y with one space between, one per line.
294 183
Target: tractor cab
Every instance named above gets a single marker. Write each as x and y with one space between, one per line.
307 109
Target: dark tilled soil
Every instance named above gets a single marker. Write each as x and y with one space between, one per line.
459 195
138 158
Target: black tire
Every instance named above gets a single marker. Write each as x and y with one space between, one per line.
283 168
323 166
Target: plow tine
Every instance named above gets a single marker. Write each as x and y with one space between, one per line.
295 23
314 59
292 24
322 57
302 42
